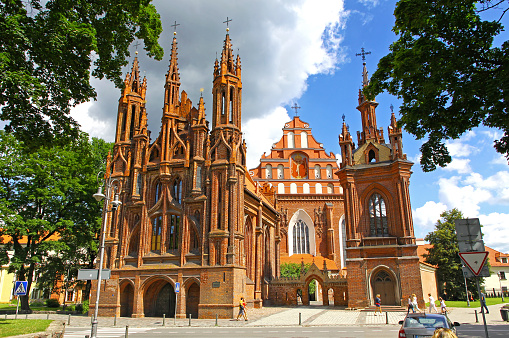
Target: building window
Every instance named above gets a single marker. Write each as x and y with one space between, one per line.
198 177
318 188
329 171
300 238
305 188
291 143
156 233
158 192
173 232
303 139
268 171
504 260
138 184
176 190
377 216
293 188
280 171
502 275
69 296
317 171
281 188
330 188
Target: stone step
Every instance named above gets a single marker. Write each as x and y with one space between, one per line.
386 308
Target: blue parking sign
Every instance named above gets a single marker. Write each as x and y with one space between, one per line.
20 288
177 287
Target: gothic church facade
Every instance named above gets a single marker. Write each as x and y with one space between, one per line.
190 214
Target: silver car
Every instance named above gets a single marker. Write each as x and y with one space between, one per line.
417 325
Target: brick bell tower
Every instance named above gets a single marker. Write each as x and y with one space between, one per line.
381 253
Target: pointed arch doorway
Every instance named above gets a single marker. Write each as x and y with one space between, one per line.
384 284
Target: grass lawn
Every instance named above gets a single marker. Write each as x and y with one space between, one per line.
475 303
14 327
7 306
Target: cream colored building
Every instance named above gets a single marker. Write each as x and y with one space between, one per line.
498 281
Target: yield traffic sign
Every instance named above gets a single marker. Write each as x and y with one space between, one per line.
474 260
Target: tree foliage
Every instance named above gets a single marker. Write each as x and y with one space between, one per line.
49 49
444 255
49 218
449 75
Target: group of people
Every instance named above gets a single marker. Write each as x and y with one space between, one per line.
413 306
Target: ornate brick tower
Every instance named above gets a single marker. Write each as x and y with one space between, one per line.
381 254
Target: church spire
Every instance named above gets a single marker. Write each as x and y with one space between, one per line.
172 85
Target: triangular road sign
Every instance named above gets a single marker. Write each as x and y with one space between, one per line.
474 260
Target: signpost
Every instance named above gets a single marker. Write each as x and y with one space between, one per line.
472 253
177 290
93 274
20 289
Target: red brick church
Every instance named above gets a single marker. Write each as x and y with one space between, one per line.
193 214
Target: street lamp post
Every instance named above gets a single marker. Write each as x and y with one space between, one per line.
99 196
500 282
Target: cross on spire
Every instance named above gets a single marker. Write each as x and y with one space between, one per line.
363 54
136 44
295 107
227 22
175 26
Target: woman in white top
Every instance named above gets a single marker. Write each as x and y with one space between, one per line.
414 303
443 308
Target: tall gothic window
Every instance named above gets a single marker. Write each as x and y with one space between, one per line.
157 223
268 171
377 216
280 171
300 238
138 184
176 190
198 177
173 232
158 191
317 171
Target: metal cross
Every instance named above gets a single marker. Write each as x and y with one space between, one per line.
343 117
295 107
175 26
363 54
392 108
137 44
227 21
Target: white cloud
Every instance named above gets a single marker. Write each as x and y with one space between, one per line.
497 184
462 166
500 159
495 226
262 133
465 198
459 147
92 125
426 216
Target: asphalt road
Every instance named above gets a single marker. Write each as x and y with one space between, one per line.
387 331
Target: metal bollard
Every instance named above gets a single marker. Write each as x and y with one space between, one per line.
69 320
300 318
6 316
26 316
190 315
115 320
216 319
47 316
476 318
164 319
126 331
63 332
386 317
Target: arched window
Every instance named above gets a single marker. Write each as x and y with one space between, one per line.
330 188
317 171
293 188
157 223
303 139
318 188
329 171
281 188
300 238
371 156
198 177
280 171
291 140
305 188
158 192
138 184
173 232
268 171
176 190
377 216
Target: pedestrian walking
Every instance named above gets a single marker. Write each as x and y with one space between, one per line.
443 308
432 303
410 305
414 303
378 304
483 303
242 309
245 307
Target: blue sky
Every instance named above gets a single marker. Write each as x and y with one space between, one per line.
304 52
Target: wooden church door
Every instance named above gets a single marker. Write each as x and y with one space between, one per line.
383 284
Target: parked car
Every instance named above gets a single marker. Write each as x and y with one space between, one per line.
417 325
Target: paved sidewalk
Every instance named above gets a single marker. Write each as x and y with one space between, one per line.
279 316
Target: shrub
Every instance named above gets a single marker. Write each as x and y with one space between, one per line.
79 308
52 303
85 305
37 303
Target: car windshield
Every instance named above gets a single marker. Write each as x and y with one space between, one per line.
426 322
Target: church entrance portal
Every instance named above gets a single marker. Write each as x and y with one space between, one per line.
159 299
192 300
384 284
126 301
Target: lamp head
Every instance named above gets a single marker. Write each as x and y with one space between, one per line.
116 201
99 196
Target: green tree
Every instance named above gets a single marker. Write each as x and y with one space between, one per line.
47 195
50 49
447 72
293 270
444 255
